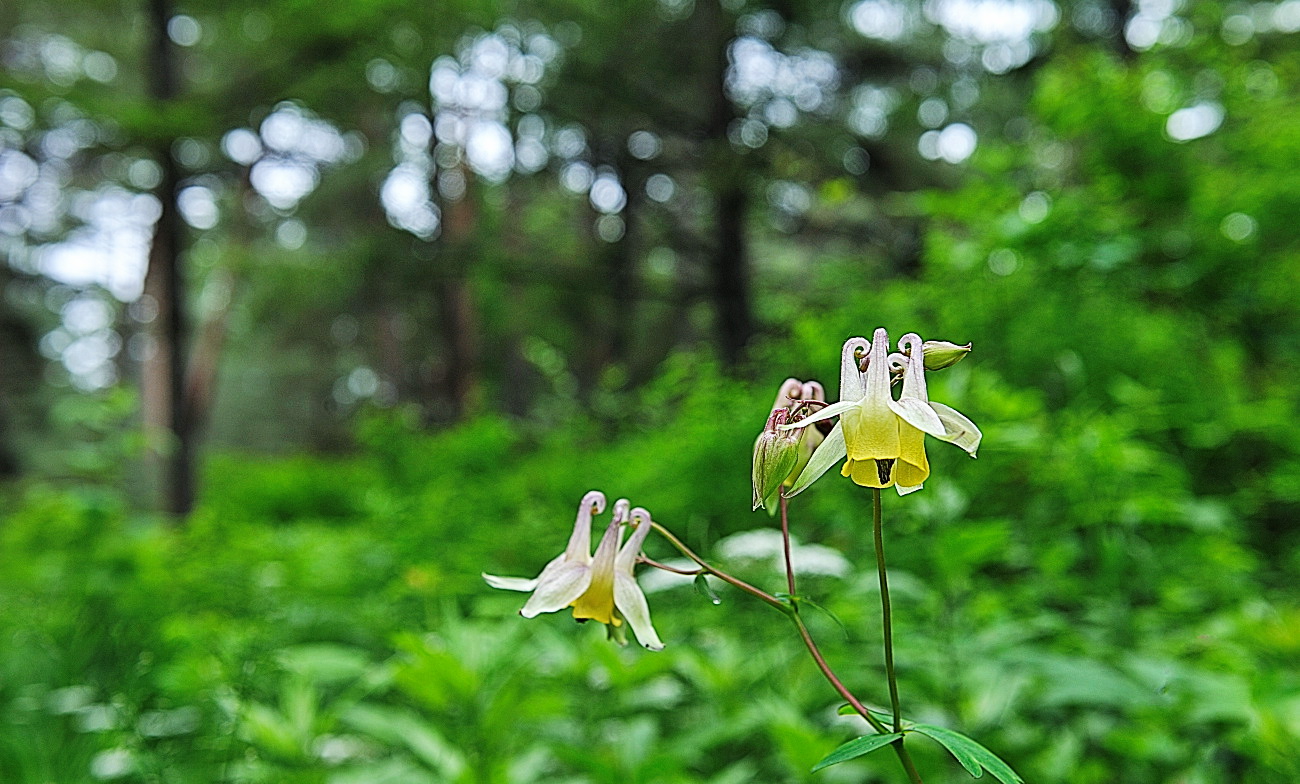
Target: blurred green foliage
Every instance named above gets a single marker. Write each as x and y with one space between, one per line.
1108 594
1081 598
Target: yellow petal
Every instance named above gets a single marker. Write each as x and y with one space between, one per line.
868 473
871 431
597 602
913 468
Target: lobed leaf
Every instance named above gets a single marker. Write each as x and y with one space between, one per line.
857 748
973 757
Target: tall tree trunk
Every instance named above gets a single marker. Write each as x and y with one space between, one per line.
458 312
20 374
730 268
165 416
517 373
731 274
618 260
1123 11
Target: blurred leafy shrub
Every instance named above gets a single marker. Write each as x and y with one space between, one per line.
1075 597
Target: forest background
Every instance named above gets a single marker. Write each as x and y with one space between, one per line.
314 311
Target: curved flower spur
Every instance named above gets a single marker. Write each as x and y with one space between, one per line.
884 438
600 587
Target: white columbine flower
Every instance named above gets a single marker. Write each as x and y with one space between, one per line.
600 587
883 438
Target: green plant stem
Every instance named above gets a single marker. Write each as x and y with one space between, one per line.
904 757
878 534
667 568
791 610
785 540
758 593
831 676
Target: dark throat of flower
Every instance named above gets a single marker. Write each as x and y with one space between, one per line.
883 470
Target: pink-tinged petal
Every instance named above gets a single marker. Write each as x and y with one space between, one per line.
790 391
812 390
913 372
579 548
627 556
622 509
525 584
850 377
631 602
828 454
558 590
912 405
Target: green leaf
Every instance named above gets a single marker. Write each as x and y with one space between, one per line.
399 727
703 588
973 757
856 748
885 716
828 613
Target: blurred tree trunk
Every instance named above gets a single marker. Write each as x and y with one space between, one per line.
222 287
165 414
456 308
517 373
20 373
729 285
210 339
619 261
1123 11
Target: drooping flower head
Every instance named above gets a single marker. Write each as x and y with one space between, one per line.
780 454
882 438
601 587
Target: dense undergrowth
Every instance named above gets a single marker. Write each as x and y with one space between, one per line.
1080 597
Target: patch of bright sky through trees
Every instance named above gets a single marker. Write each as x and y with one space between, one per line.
467 127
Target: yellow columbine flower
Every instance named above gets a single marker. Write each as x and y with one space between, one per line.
600 588
883 438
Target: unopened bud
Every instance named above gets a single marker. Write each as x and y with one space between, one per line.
940 354
776 453
814 435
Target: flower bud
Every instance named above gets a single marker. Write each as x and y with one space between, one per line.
940 354
813 436
776 453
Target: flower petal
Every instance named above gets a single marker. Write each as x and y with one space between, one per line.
905 490
812 390
627 556
851 387
511 583
912 468
558 590
834 409
957 428
631 602
791 389
828 454
868 473
871 430
579 548
917 413
597 600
